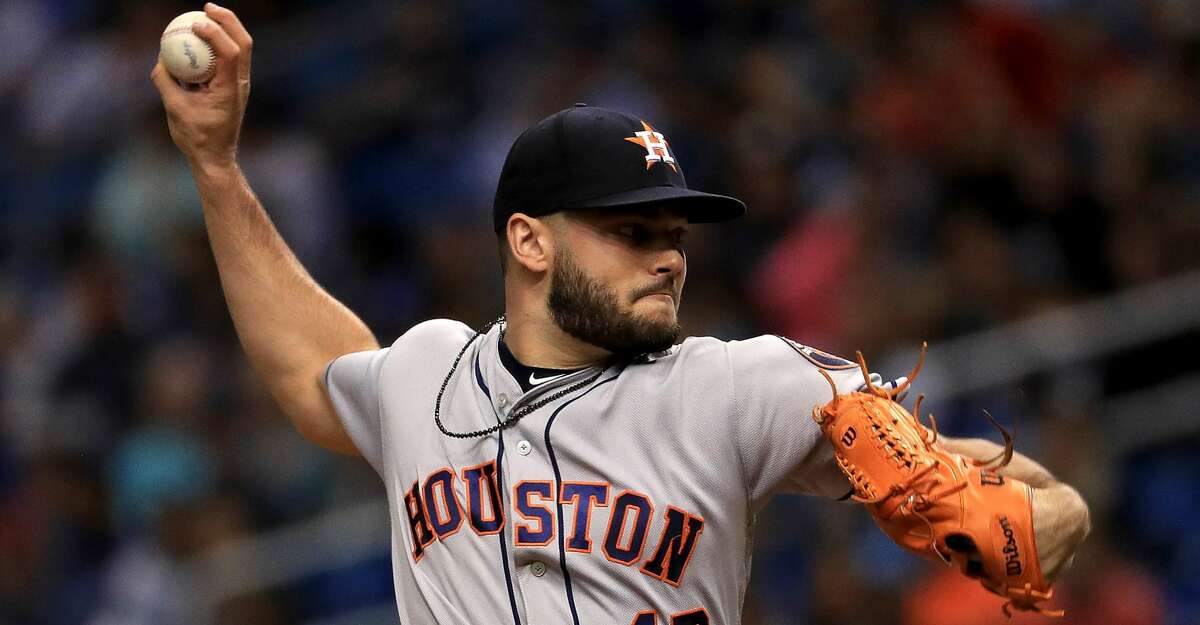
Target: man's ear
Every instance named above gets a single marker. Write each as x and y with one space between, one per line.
530 241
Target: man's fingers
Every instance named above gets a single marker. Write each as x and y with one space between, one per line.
226 50
236 31
220 40
166 85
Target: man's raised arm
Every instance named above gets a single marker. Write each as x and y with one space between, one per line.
288 325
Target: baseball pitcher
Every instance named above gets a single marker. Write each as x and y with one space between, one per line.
572 462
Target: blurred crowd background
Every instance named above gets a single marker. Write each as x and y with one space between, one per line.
913 169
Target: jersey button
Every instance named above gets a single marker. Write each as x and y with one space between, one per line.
538 569
524 447
502 402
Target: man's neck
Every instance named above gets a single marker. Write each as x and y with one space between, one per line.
539 342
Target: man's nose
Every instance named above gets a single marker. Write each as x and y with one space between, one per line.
669 262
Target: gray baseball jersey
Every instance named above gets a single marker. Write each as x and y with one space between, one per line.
629 500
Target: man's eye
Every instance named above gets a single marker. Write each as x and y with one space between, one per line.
632 232
640 234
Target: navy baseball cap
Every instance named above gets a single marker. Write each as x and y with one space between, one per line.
591 157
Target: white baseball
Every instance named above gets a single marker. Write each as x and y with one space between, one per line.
187 57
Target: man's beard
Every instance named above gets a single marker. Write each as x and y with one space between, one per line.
587 309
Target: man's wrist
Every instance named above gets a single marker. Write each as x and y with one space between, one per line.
214 169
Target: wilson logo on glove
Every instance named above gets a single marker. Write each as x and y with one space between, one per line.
1012 555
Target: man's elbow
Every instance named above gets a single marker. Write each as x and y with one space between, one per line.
308 407
1075 518
327 433
1081 516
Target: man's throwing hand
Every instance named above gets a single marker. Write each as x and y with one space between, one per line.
205 120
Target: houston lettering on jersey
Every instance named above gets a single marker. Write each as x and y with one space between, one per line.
435 512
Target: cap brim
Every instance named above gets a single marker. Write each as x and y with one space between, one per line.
697 206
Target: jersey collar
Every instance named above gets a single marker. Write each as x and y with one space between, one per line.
528 377
506 392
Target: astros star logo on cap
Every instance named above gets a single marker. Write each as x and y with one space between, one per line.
655 144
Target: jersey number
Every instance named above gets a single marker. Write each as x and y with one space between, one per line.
699 616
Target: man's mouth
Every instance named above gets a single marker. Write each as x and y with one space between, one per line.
657 290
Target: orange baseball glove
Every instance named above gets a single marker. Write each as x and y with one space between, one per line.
934 502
